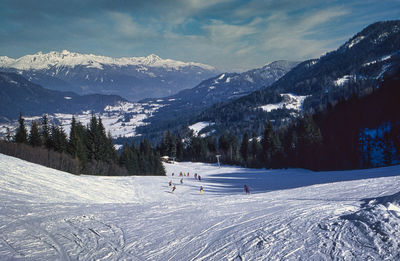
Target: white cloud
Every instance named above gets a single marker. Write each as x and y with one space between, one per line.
222 32
127 27
300 36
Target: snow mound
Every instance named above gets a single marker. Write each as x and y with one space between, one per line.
376 227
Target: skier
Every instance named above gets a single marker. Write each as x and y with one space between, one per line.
188 174
172 174
199 177
173 188
170 183
181 180
195 175
246 189
201 189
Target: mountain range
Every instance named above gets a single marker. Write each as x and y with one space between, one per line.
278 92
221 88
132 78
355 69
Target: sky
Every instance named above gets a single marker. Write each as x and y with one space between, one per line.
232 35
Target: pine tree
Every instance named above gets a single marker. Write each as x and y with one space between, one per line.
45 131
179 148
268 144
255 146
129 159
76 142
309 142
58 138
21 136
90 138
244 148
34 137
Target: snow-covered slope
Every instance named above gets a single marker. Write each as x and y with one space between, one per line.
121 119
291 214
133 78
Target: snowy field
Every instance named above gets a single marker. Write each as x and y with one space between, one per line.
290 214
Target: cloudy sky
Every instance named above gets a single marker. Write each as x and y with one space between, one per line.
229 34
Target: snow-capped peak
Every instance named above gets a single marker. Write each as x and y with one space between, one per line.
151 59
65 58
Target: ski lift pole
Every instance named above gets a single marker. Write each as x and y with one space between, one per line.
218 156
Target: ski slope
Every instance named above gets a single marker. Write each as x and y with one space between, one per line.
291 214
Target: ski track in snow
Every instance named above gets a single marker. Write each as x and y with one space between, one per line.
291 214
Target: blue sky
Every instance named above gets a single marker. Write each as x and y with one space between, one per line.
228 34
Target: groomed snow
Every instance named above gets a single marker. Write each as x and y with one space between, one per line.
291 214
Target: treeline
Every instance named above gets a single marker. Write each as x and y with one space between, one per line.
87 150
347 135
294 146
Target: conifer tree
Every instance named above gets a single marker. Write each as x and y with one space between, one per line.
73 139
34 136
268 144
255 146
309 142
76 143
58 138
244 148
21 136
179 148
91 131
45 131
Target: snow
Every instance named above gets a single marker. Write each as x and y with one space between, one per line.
39 61
346 78
249 79
68 98
221 77
291 214
121 119
198 126
355 41
382 59
290 102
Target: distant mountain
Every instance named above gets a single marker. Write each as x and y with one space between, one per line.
17 94
356 68
220 89
133 78
228 86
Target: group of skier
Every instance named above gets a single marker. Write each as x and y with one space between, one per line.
198 177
